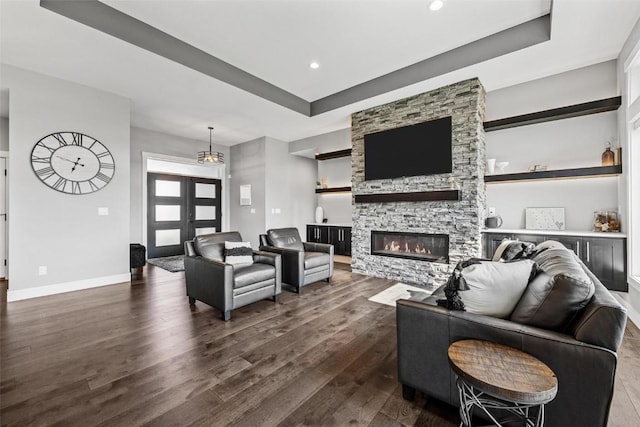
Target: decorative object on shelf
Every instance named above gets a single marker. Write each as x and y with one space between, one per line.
72 163
245 195
491 166
608 157
501 166
618 155
494 221
538 168
319 214
324 183
324 220
606 221
544 219
318 184
210 157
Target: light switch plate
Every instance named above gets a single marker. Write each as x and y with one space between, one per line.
42 270
103 211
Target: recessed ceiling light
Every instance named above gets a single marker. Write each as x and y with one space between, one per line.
314 65
436 5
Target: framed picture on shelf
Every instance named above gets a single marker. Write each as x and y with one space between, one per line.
544 219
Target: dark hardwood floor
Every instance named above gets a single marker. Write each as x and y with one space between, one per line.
137 354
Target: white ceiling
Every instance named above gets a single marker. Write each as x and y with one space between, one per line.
354 41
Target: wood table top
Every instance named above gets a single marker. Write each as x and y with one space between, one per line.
503 372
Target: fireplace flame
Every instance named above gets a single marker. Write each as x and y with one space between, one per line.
395 246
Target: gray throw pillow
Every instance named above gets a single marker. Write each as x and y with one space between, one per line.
488 288
557 294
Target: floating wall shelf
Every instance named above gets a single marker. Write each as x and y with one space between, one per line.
593 107
334 154
422 196
334 190
555 174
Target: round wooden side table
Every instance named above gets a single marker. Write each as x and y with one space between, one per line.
494 377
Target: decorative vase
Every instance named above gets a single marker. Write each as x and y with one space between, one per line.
319 215
608 157
491 166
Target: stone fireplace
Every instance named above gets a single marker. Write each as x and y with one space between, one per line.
415 205
417 246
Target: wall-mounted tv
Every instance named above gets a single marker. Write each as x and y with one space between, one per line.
420 149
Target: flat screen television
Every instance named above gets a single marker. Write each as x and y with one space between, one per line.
420 149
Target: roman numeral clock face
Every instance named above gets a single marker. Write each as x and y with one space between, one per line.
73 163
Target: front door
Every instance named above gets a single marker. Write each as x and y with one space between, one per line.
178 209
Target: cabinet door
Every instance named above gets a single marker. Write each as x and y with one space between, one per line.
311 233
346 239
605 257
334 239
492 241
323 234
573 243
531 238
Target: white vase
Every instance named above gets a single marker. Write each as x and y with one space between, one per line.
319 214
491 166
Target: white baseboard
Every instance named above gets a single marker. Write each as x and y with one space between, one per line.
59 288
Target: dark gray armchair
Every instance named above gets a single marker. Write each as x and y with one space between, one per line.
302 263
224 286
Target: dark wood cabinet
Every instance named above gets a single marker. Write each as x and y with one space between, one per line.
492 241
606 257
339 237
318 233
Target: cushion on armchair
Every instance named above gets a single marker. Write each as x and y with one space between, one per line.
286 238
556 296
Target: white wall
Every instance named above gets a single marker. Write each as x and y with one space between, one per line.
569 143
165 146
61 231
4 134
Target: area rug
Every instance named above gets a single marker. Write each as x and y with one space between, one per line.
169 263
401 291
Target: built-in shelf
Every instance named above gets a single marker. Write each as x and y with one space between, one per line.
334 190
421 196
593 107
334 154
558 173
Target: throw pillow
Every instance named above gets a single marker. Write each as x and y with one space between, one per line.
488 288
238 253
557 295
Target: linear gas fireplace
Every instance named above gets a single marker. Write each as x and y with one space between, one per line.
418 246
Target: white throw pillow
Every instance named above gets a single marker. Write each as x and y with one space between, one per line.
495 287
238 253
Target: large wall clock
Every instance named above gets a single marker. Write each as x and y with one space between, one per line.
72 163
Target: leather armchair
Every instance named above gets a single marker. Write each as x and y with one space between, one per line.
224 286
302 263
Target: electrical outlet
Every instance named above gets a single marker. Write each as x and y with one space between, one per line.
253 210
277 210
491 211
42 270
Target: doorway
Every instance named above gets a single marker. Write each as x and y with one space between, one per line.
178 209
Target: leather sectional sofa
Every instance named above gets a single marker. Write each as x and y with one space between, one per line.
583 356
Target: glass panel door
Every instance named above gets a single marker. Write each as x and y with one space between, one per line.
204 206
180 208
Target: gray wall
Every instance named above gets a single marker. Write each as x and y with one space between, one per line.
291 187
61 231
4 134
147 141
248 167
336 206
561 144
282 188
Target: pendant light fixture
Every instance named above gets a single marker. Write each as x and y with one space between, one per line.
211 157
